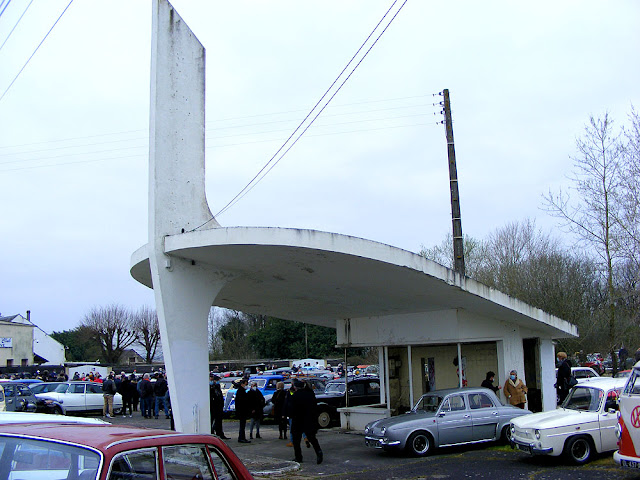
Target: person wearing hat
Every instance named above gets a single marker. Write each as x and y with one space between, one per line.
515 390
304 419
216 405
563 377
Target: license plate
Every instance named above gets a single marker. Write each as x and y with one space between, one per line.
524 448
372 443
630 463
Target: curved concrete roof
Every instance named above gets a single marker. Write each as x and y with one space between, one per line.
318 277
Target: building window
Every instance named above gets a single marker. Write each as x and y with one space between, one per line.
24 362
9 362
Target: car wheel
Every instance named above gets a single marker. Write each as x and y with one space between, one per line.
578 450
419 444
58 410
324 419
506 434
117 411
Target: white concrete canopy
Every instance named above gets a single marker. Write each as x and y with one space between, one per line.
318 277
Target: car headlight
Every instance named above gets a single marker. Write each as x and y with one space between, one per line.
618 431
383 430
536 432
366 429
513 428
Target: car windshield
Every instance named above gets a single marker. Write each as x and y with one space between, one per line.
27 458
633 384
62 388
584 399
337 387
428 403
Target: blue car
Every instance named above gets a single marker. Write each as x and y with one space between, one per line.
266 385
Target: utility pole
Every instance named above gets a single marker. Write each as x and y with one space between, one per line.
458 246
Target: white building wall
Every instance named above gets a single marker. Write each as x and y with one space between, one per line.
47 347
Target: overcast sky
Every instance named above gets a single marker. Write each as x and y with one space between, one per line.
523 79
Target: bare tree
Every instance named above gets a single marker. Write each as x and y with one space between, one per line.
593 212
145 323
111 327
474 253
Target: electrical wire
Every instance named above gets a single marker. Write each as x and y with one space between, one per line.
14 27
5 7
34 52
268 168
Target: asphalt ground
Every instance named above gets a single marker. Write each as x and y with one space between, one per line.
346 457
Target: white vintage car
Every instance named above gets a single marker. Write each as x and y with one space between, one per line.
78 397
585 423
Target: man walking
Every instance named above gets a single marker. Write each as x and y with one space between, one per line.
304 419
108 391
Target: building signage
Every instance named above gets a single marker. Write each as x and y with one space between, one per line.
6 342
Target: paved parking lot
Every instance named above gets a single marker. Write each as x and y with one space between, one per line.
347 457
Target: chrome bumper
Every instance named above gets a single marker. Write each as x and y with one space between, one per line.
530 448
376 442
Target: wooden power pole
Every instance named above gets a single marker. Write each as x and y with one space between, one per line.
458 246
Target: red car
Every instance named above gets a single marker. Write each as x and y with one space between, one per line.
59 450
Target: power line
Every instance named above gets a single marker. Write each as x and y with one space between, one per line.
14 27
259 176
5 7
34 52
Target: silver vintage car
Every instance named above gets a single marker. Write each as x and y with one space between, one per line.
445 417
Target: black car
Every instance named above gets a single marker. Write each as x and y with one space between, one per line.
362 391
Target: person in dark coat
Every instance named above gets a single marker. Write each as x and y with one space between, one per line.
563 377
278 398
488 382
216 405
133 391
242 410
160 389
256 408
304 419
127 398
146 396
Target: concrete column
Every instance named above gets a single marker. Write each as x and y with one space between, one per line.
382 375
510 355
547 374
183 290
410 362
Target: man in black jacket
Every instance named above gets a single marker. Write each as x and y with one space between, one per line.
304 419
242 410
564 376
108 391
216 405
160 389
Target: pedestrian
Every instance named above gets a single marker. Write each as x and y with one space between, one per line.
160 389
278 399
623 353
563 377
304 420
242 410
515 390
256 408
216 405
133 392
488 382
108 391
127 399
145 389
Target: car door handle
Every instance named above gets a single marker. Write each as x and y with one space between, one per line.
495 414
467 416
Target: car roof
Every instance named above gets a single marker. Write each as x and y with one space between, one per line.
604 382
104 437
447 391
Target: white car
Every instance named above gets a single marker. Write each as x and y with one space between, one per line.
582 374
586 422
79 397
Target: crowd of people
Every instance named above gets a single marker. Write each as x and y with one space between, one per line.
293 410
